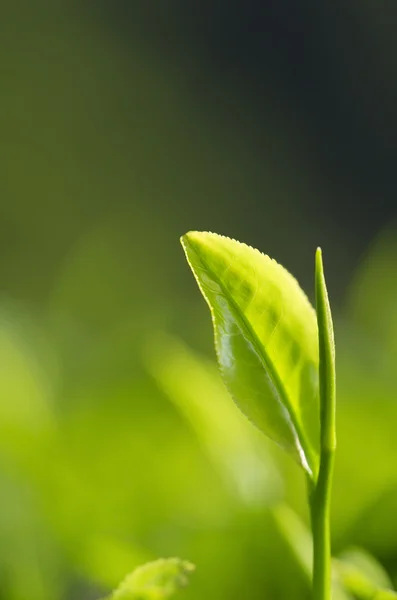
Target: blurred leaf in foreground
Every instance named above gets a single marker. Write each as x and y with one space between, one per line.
235 447
362 575
156 580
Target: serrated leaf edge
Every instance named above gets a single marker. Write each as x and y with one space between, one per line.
267 363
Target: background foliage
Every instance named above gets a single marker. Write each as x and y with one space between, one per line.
123 126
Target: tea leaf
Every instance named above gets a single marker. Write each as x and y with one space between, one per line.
327 359
266 340
156 580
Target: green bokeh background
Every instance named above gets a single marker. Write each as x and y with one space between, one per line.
123 125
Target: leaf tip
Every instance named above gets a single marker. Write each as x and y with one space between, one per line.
183 238
319 263
189 238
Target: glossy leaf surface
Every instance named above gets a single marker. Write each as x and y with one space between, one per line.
266 340
156 580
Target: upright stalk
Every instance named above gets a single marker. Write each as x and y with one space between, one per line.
320 494
320 513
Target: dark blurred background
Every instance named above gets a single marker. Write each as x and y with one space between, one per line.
123 125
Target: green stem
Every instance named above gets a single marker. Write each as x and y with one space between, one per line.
320 501
320 494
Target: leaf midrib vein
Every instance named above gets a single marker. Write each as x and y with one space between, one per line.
264 357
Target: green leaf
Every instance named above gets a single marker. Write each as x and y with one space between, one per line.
356 574
238 450
385 595
327 359
362 576
297 535
156 580
361 561
266 340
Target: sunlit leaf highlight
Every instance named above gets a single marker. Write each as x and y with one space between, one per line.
266 340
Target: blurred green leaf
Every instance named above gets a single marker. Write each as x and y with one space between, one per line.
364 498
297 536
362 575
299 540
360 561
238 450
356 574
157 580
373 293
266 340
385 595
